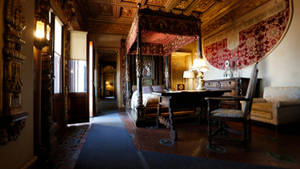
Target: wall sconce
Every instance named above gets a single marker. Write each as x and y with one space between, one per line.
42 34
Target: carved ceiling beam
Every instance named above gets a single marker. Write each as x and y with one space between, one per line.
171 4
110 20
127 4
191 7
109 28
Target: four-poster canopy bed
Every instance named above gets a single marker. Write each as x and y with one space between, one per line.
156 33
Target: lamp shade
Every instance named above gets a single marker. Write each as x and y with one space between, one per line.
188 74
200 64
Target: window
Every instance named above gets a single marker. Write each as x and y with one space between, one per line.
78 76
57 56
78 63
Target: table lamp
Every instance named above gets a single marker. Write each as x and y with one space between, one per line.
199 65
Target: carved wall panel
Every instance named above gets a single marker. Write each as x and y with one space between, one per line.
12 118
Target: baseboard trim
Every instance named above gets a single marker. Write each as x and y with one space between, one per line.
30 163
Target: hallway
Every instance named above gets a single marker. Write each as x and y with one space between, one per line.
110 144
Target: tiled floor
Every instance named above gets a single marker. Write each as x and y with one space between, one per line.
269 148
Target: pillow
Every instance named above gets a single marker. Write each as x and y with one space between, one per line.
147 89
157 88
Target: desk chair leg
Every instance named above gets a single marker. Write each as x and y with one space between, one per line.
209 132
249 131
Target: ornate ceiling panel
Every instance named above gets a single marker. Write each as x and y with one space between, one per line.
100 9
203 5
183 4
109 16
127 12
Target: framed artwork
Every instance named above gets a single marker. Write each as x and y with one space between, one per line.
148 67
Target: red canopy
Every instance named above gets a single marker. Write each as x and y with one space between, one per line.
161 32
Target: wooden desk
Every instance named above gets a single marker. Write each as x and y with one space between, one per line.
183 100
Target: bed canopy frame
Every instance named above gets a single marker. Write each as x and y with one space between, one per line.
157 33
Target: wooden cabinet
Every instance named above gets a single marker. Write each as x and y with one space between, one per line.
238 87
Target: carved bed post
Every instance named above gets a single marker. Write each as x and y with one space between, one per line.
129 83
139 68
167 72
199 41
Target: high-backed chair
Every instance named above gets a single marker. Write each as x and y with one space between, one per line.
221 115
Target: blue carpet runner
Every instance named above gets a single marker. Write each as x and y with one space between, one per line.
109 146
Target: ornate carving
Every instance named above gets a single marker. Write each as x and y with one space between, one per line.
13 118
123 70
151 21
170 23
100 9
204 5
11 126
127 12
183 4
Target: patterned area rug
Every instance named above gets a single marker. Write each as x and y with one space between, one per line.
69 147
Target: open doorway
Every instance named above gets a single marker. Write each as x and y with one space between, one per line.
109 85
106 80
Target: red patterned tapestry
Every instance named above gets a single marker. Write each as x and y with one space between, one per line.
255 42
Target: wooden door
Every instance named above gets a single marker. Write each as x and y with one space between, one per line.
79 111
79 78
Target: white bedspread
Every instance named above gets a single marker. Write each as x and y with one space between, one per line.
149 100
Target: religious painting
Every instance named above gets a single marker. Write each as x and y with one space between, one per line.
148 67
251 37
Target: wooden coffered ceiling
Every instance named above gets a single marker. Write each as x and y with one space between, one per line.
116 16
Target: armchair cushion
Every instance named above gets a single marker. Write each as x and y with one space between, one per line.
279 105
233 113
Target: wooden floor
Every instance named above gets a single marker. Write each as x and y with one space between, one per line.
268 147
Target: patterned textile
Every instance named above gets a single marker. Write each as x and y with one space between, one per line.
158 88
147 89
228 113
255 42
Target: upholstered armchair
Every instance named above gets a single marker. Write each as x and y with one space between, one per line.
279 105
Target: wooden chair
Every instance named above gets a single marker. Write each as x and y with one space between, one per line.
221 115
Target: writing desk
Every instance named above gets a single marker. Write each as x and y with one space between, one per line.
183 100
